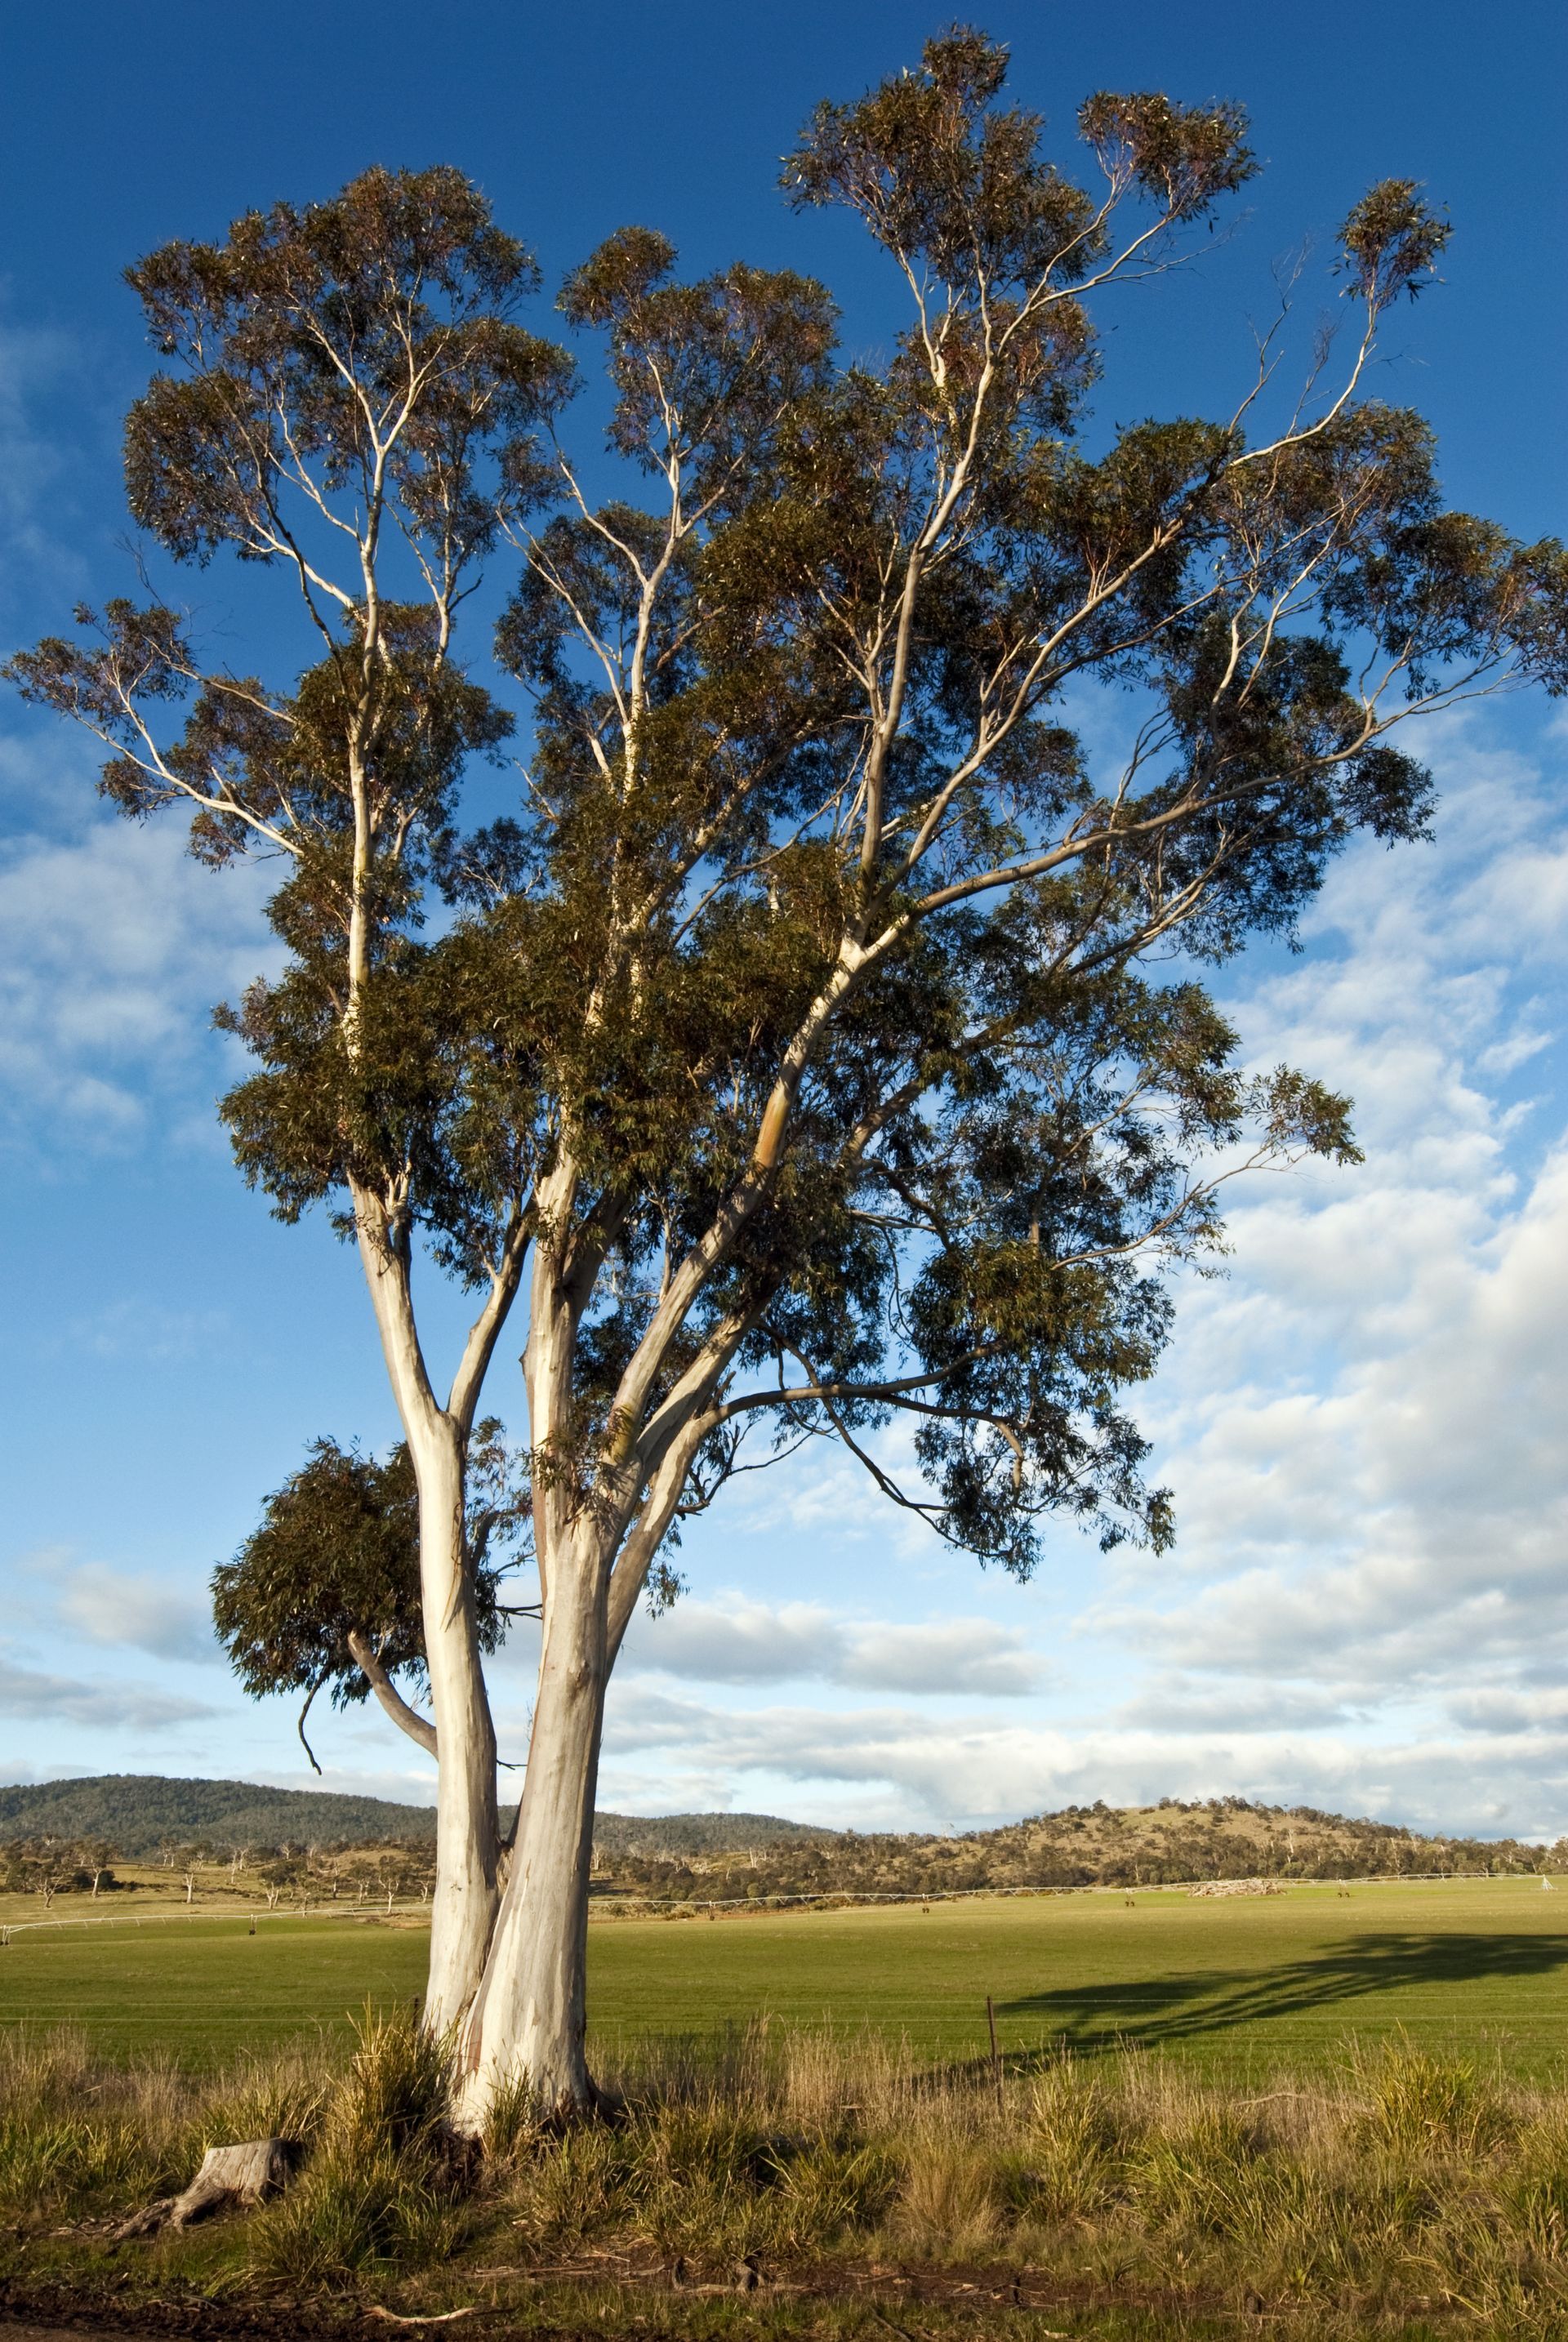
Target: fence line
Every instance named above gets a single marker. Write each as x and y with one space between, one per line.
323 1910
636 1907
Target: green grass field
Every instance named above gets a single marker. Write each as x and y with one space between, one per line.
1237 1985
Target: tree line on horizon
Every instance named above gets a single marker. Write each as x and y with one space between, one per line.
696 1859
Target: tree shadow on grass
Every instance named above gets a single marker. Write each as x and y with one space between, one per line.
1155 2012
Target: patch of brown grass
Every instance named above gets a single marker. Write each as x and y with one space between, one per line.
1402 2184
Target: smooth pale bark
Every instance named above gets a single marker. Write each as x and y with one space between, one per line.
467 1832
529 2017
528 2023
392 1704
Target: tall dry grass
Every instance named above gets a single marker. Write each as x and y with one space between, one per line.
81 2139
382 2187
1402 2180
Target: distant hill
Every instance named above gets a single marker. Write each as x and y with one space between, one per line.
1171 1844
731 1856
137 1813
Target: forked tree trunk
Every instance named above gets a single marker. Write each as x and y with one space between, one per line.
467 1837
529 2019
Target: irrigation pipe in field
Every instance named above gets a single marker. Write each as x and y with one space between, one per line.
9 1927
640 1906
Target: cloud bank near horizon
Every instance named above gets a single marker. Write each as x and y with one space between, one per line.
1368 1605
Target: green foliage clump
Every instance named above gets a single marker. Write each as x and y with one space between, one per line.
331 1573
1425 2105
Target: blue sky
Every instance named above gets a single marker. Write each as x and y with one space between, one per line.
1363 1422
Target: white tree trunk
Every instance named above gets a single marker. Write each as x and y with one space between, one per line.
467 1835
529 2019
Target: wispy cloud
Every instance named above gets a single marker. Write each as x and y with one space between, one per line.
35 468
29 1696
910 1768
142 1330
134 1612
734 1639
57 1596
113 948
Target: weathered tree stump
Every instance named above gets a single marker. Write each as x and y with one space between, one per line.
246 2174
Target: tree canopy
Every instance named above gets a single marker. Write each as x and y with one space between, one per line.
824 1033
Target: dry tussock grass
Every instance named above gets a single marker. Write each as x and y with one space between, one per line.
1404 2179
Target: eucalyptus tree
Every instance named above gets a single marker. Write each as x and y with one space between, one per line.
822 1033
350 405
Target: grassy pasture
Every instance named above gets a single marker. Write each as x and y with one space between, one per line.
1234 1985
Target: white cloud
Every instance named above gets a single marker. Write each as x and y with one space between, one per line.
1363 1424
952 1655
737 1639
1408 1516
35 467
902 1768
1177 1704
399 1788
142 1613
54 1594
113 948
30 1697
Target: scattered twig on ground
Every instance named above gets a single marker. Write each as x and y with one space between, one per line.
431 2317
